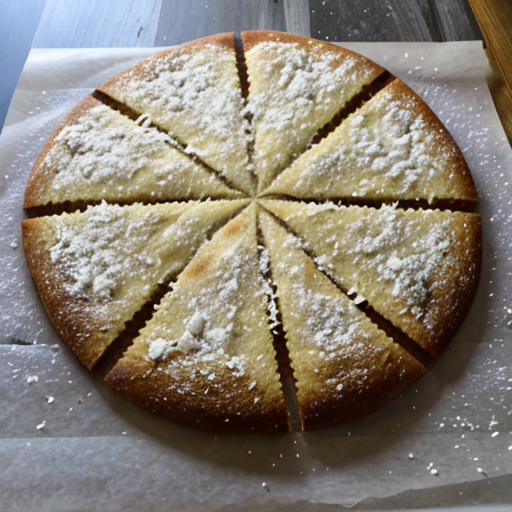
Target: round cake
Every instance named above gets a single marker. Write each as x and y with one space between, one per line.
255 232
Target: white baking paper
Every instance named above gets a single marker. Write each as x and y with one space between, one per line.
69 443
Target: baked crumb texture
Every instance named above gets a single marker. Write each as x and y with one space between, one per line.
254 233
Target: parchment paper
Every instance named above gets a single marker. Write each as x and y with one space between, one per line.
68 443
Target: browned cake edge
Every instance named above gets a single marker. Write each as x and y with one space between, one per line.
36 184
223 40
463 176
150 391
452 299
68 315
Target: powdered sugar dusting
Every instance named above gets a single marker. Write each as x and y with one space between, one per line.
106 154
330 320
110 250
102 145
386 147
188 342
217 306
332 343
402 253
330 323
293 92
196 96
408 269
213 325
96 261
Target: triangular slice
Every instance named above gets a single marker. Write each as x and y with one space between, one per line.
101 266
206 358
193 91
98 153
296 86
418 269
343 364
392 148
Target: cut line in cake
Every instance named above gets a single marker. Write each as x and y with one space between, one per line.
173 139
361 302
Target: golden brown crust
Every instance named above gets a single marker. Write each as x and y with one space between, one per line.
252 38
228 380
205 408
392 373
452 298
38 182
61 306
466 190
223 40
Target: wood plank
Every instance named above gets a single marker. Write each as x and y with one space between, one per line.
415 21
501 95
182 21
456 20
18 25
98 23
393 20
368 20
296 15
495 19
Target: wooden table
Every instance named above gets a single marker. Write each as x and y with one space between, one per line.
147 23
116 23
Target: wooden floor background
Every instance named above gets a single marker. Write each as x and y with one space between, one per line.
96 23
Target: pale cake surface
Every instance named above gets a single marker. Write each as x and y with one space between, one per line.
193 92
412 266
258 236
210 337
101 266
100 154
392 148
295 88
339 357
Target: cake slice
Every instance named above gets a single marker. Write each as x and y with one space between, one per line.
392 148
419 269
343 364
95 269
206 358
98 153
193 92
296 86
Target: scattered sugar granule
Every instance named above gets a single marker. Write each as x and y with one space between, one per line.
432 469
